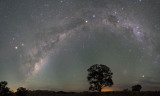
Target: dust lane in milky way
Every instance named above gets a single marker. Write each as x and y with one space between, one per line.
51 44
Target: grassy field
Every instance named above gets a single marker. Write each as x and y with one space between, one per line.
50 93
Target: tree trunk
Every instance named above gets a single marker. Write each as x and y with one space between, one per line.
99 90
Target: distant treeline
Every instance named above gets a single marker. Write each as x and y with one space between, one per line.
5 91
47 93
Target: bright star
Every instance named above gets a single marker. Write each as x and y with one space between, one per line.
16 47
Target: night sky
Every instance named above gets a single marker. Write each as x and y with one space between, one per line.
50 44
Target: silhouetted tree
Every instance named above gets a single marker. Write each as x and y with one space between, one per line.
4 91
125 90
136 87
99 76
21 91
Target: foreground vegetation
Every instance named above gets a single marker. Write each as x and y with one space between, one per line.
99 76
120 93
5 91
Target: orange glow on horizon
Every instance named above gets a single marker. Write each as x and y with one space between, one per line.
107 90
14 90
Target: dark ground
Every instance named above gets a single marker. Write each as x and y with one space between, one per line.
129 93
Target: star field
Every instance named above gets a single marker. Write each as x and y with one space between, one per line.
50 44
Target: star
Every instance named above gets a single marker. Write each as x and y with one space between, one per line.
115 12
16 47
22 44
93 15
140 0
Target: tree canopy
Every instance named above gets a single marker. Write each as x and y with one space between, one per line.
99 76
21 91
136 87
4 90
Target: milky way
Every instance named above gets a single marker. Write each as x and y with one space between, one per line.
51 44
